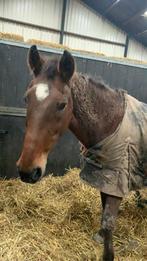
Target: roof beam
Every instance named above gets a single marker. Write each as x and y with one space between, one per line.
96 8
114 3
141 33
135 16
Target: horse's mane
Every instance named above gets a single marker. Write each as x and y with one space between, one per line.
50 68
86 85
99 82
95 98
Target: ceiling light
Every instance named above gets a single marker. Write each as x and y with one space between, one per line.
145 14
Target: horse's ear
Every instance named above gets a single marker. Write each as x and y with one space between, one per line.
66 66
35 62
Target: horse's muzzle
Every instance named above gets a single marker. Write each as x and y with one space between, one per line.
30 177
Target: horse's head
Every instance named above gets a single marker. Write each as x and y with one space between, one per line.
49 111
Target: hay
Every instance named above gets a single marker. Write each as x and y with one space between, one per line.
12 37
47 44
129 60
84 52
61 46
55 219
19 38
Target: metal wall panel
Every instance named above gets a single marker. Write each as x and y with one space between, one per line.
82 20
29 33
1 7
64 155
14 76
79 19
137 51
14 79
6 27
40 12
144 54
93 46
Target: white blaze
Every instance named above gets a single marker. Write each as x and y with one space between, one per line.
42 91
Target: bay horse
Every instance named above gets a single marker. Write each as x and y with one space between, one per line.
59 98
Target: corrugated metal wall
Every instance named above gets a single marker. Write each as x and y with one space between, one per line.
137 51
79 20
40 12
94 46
46 12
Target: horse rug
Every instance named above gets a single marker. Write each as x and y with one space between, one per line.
118 164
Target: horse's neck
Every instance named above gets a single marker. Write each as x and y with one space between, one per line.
97 110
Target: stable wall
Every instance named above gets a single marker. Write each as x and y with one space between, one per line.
14 77
84 29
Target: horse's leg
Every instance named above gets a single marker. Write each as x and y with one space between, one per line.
108 222
98 236
103 199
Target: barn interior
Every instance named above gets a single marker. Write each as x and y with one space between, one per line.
55 219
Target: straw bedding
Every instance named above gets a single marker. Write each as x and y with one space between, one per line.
55 219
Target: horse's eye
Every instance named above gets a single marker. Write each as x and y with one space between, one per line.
61 106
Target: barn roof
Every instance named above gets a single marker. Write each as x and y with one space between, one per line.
126 14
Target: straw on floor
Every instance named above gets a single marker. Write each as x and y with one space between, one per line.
55 219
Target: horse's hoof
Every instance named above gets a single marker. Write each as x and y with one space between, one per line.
108 257
98 238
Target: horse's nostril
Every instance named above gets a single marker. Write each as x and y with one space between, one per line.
24 176
36 174
30 177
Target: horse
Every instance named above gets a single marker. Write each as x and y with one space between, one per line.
106 121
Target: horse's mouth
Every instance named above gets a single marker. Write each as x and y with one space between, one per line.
29 181
31 177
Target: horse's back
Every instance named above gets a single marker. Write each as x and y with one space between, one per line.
122 155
